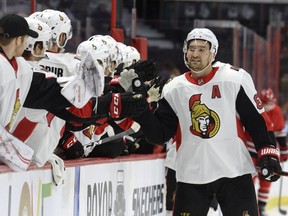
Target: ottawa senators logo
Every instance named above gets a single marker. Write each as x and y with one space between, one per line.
205 122
61 18
88 132
39 27
94 47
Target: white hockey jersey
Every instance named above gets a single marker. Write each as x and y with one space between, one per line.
39 129
207 111
61 64
210 147
14 87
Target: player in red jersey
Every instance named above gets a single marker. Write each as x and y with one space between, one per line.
277 118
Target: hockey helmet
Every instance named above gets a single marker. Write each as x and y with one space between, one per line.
98 50
35 15
59 23
111 44
130 56
202 34
44 36
267 96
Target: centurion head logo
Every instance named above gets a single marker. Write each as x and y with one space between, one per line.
205 122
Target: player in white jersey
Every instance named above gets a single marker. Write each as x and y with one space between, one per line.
208 105
72 141
95 132
46 129
18 82
55 60
22 87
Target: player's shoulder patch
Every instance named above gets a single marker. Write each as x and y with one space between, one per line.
234 68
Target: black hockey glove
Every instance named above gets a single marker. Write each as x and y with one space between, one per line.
158 82
121 105
269 163
113 87
131 144
147 70
155 88
119 69
71 146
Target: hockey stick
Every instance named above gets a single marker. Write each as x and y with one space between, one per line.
265 172
88 148
282 173
282 211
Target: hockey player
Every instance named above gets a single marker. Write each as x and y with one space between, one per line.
56 61
113 50
36 47
19 82
277 118
22 87
94 133
73 142
207 103
42 129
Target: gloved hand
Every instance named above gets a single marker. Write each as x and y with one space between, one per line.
147 70
283 153
131 144
58 169
155 88
126 79
113 86
71 146
269 163
121 105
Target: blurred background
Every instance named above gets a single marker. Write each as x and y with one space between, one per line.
252 34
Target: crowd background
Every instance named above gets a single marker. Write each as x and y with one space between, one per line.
165 23
259 43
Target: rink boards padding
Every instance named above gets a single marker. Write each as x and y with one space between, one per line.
127 185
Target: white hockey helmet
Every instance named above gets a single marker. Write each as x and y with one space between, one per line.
98 50
119 59
130 55
111 45
44 36
59 23
35 15
202 34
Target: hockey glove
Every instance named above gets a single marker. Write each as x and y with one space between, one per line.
121 105
126 78
71 146
147 70
269 163
155 88
58 169
131 143
113 86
